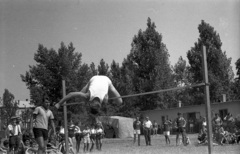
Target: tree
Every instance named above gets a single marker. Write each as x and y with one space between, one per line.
148 63
103 68
45 78
235 85
10 107
219 69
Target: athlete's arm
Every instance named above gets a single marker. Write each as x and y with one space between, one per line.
80 95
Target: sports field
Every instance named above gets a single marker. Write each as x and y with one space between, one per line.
125 146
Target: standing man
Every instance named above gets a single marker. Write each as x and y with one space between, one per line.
14 132
137 127
147 131
180 125
39 124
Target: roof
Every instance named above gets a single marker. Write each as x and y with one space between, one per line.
217 103
23 104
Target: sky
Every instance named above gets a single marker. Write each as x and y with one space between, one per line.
104 29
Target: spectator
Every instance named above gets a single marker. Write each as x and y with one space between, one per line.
180 125
99 136
136 127
147 131
39 124
14 132
217 122
86 138
155 128
191 123
5 146
92 136
204 124
78 137
166 129
71 132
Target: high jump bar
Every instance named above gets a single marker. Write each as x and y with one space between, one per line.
151 92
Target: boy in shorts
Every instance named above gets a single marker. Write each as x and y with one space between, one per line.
86 138
39 124
166 129
99 136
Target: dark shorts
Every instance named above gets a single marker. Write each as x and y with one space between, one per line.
14 142
78 136
93 137
99 136
180 130
71 134
39 132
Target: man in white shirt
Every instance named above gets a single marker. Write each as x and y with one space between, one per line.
97 90
147 125
14 132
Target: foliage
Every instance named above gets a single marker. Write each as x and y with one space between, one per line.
235 85
9 107
219 70
45 78
148 67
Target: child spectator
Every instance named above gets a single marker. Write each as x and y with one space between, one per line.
202 137
92 136
99 136
78 137
166 129
5 147
86 138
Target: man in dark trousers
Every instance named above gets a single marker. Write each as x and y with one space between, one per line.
147 131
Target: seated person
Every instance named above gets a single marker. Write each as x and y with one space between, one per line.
202 138
5 147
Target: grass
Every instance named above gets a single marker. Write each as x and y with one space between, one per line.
126 146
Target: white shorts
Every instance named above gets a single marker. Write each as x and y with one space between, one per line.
135 131
191 125
166 133
86 139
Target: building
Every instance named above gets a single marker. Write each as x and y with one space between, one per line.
23 107
195 112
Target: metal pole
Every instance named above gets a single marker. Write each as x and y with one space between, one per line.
207 100
65 117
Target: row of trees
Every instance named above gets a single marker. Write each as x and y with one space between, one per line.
146 68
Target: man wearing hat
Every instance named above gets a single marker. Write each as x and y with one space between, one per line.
14 132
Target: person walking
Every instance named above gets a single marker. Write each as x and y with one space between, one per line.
136 130
147 131
39 124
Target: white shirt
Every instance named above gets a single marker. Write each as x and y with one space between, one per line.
98 87
78 130
93 131
148 124
16 131
99 130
